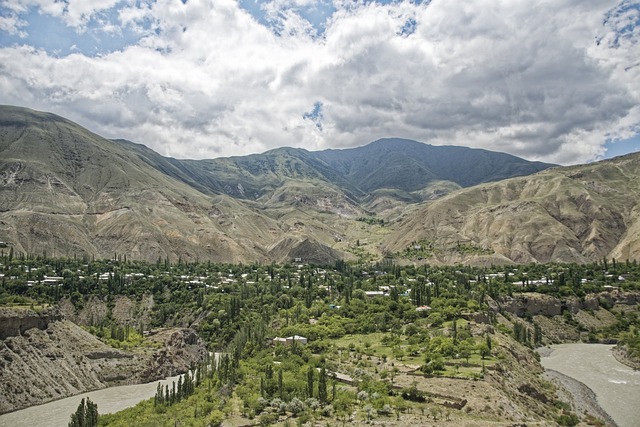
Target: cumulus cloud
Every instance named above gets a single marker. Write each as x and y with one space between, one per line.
542 80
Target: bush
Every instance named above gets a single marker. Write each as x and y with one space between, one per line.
296 406
268 419
568 419
413 394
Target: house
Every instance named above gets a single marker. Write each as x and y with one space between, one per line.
288 341
278 340
373 294
297 338
52 280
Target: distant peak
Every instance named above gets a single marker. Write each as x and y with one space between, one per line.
396 141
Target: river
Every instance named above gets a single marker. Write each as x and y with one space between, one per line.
58 412
109 400
616 386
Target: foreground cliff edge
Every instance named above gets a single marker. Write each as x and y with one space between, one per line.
44 357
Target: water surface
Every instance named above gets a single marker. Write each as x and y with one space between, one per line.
617 386
58 413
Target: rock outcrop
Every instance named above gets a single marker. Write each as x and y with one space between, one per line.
16 321
53 359
181 348
529 304
96 311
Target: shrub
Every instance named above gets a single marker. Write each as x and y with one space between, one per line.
568 419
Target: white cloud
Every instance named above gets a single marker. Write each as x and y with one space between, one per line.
541 80
74 13
13 25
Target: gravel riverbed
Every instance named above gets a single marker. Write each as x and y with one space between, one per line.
582 398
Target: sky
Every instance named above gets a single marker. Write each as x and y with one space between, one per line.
556 81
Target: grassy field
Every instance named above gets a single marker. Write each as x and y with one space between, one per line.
371 349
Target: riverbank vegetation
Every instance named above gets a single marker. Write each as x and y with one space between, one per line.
385 342
86 415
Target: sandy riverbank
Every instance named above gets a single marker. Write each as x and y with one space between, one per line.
621 356
581 398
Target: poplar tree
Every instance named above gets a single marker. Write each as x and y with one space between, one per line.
86 415
280 384
310 381
322 386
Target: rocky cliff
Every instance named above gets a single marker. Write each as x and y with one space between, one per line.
566 319
181 348
533 304
44 357
16 321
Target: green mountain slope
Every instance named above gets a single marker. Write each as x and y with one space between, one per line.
246 177
399 168
410 166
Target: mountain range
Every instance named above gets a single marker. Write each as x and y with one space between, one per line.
66 191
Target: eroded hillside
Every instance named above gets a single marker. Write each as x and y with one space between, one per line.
65 191
572 214
45 357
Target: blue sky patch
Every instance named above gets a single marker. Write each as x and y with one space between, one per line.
101 35
408 28
618 148
315 115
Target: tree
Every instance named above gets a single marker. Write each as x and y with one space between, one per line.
464 350
280 385
398 353
86 415
369 410
159 397
322 386
433 362
434 412
568 419
537 334
454 330
484 350
310 381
